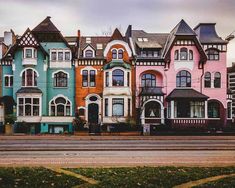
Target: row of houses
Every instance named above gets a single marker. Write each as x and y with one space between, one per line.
177 79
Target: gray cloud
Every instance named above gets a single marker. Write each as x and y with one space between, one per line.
95 16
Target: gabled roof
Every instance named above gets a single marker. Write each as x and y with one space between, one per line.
183 31
207 34
154 40
186 94
104 40
46 31
46 26
116 35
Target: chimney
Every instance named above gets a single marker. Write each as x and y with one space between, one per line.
79 33
8 38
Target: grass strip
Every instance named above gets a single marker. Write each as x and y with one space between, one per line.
203 181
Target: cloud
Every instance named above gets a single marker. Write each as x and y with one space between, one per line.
95 16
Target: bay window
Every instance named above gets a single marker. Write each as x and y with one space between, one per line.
118 77
28 106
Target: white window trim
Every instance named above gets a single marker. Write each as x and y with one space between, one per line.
34 70
32 97
34 52
66 98
8 75
57 54
88 48
117 50
88 69
53 74
110 44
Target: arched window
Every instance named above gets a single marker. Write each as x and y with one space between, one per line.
152 110
114 54
120 54
118 77
148 80
183 79
190 55
60 106
217 80
60 79
29 78
212 54
183 54
213 109
207 80
176 54
88 53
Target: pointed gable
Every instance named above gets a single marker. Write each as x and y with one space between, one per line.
183 31
116 35
46 31
28 40
46 26
182 28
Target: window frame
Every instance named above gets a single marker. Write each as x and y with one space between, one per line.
119 101
179 80
213 54
145 80
217 80
9 80
21 107
59 80
207 80
122 76
67 107
25 79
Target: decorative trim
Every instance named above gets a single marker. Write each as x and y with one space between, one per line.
110 44
53 74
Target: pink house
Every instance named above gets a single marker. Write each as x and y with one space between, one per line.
181 77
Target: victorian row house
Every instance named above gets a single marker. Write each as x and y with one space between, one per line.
175 79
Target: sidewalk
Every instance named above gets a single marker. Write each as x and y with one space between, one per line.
72 137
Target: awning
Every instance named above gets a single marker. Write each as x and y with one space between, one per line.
29 90
186 94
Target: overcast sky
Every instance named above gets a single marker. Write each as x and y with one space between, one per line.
93 17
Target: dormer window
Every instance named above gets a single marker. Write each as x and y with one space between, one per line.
176 54
88 53
30 53
114 54
120 54
183 54
212 54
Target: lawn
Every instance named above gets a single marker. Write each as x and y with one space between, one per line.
114 177
35 177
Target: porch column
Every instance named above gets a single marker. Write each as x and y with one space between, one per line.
162 115
172 109
206 114
142 118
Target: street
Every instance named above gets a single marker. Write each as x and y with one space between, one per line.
117 151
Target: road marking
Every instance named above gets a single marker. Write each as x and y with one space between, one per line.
202 181
79 176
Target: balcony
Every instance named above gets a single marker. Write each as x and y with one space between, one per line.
151 91
29 61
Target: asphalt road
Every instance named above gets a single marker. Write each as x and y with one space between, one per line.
118 152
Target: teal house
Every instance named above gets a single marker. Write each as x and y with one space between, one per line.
40 70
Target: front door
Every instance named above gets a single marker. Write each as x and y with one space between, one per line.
93 117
